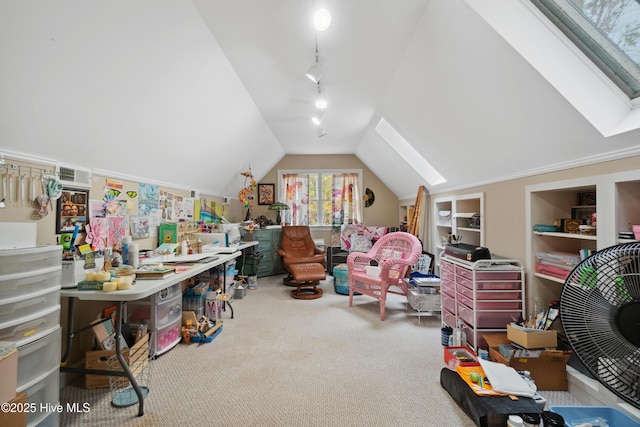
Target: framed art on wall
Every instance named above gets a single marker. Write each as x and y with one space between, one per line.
72 210
266 194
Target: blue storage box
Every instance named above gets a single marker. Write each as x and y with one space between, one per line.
575 414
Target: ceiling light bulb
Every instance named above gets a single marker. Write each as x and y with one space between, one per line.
321 103
322 19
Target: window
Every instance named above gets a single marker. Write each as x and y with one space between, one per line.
321 198
607 31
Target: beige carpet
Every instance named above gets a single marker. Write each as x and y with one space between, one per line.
287 362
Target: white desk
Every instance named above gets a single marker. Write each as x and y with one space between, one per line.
208 251
141 289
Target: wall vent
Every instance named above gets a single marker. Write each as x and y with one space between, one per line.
74 177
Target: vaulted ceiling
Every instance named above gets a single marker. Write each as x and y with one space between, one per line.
190 93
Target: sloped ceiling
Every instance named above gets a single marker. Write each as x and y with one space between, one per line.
192 93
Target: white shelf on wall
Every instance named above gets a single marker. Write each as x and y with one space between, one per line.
451 216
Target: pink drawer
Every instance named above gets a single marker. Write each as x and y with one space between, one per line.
487 319
492 295
448 302
446 266
447 275
487 286
490 305
447 287
487 275
448 317
471 340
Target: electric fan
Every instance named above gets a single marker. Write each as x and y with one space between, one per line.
600 313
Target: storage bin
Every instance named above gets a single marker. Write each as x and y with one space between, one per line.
170 292
167 336
490 305
18 285
500 294
38 357
41 392
30 259
487 286
169 311
448 317
446 266
193 302
448 287
448 302
26 329
487 319
575 414
475 342
501 273
37 303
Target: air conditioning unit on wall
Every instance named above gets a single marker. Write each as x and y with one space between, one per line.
72 176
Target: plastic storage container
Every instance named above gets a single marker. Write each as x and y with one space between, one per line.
488 319
497 294
488 275
14 308
38 357
44 390
28 259
19 285
490 305
26 329
489 285
576 414
448 302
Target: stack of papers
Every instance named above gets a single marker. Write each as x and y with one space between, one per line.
505 379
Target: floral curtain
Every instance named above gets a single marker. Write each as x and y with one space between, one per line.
346 203
297 197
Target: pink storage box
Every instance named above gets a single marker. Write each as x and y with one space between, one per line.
447 275
448 317
488 286
552 270
448 302
447 287
487 275
471 340
487 319
490 305
500 294
446 266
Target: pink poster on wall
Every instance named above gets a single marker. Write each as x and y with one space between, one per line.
117 230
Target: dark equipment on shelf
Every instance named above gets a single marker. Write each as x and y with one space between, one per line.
467 252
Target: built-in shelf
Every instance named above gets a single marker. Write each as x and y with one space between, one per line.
566 235
551 278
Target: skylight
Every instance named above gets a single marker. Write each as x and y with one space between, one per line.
408 153
607 31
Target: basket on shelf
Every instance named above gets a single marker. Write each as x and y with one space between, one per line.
139 363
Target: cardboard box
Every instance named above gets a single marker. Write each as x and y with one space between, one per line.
8 372
98 360
532 339
548 368
15 419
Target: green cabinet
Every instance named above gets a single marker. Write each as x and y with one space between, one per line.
268 244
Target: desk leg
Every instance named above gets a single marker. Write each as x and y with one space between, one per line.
124 365
67 351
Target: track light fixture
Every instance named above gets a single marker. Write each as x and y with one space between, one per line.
315 71
317 118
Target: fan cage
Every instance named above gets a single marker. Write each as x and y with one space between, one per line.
600 314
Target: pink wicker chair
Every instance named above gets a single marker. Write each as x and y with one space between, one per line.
393 253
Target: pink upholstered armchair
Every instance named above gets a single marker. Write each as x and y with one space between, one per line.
392 254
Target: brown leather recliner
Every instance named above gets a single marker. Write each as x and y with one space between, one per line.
298 247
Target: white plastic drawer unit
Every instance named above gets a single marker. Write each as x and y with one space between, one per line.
30 259
38 357
21 307
25 329
40 391
25 284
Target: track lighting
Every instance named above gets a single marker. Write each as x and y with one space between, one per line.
315 71
321 132
317 118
